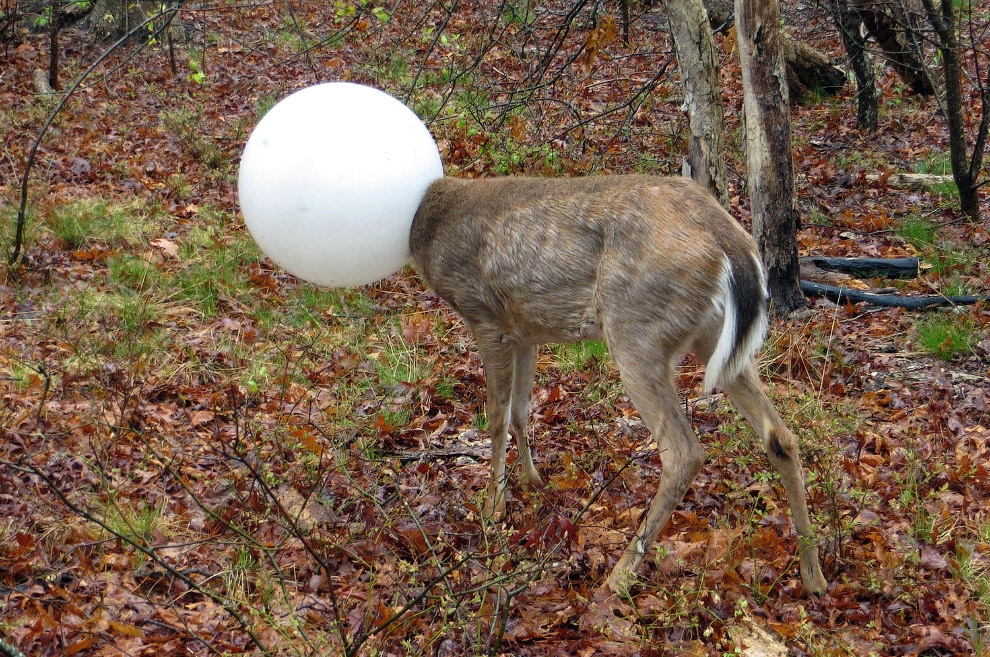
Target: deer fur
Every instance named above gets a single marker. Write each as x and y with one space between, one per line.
655 267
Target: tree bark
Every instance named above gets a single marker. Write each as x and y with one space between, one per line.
964 170
867 98
809 72
768 148
893 26
695 45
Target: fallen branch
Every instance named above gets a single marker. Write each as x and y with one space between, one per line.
841 294
476 452
9 649
870 267
910 180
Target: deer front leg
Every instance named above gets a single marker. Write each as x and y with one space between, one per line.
524 371
498 361
781 446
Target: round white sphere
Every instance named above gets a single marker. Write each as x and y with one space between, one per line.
330 181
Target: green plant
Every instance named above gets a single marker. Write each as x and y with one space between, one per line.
90 221
196 74
946 335
133 272
919 231
579 356
819 218
188 127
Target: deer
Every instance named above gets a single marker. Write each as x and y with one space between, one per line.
652 265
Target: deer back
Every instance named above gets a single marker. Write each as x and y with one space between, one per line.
554 260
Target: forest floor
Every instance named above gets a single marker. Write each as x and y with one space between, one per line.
202 455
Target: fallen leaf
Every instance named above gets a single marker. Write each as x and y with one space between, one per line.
168 247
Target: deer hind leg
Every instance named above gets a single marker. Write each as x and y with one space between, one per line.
523 373
651 388
498 358
781 446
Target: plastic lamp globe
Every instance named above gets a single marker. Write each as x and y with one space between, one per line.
330 181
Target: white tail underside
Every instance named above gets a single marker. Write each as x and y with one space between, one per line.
726 362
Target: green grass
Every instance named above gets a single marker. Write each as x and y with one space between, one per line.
946 335
135 520
398 362
920 232
955 288
98 221
133 272
937 164
214 274
949 260
580 356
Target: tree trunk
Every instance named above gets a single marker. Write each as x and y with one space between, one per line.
768 148
964 170
809 71
892 25
867 98
695 45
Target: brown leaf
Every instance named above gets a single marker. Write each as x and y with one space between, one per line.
126 629
197 418
933 560
417 329
79 646
167 247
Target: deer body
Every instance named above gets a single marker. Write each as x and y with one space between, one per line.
654 266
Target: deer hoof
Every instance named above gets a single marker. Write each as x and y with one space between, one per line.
814 581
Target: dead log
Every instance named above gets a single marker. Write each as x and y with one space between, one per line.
845 295
810 71
870 267
910 180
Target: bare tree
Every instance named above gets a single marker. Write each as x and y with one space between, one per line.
965 166
848 20
768 148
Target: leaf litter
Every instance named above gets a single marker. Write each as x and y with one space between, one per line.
202 454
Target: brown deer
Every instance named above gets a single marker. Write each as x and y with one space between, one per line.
655 267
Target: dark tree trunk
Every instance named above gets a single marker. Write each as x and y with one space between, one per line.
867 97
965 170
768 148
893 28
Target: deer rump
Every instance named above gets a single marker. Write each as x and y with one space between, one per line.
655 267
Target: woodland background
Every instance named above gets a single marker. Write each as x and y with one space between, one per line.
202 455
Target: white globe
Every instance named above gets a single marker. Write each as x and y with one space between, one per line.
330 181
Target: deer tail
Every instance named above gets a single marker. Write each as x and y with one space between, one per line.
743 302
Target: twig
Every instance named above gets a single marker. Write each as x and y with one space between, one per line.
148 552
598 493
840 294
44 393
21 212
9 649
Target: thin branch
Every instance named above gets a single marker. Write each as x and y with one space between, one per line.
21 212
148 552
